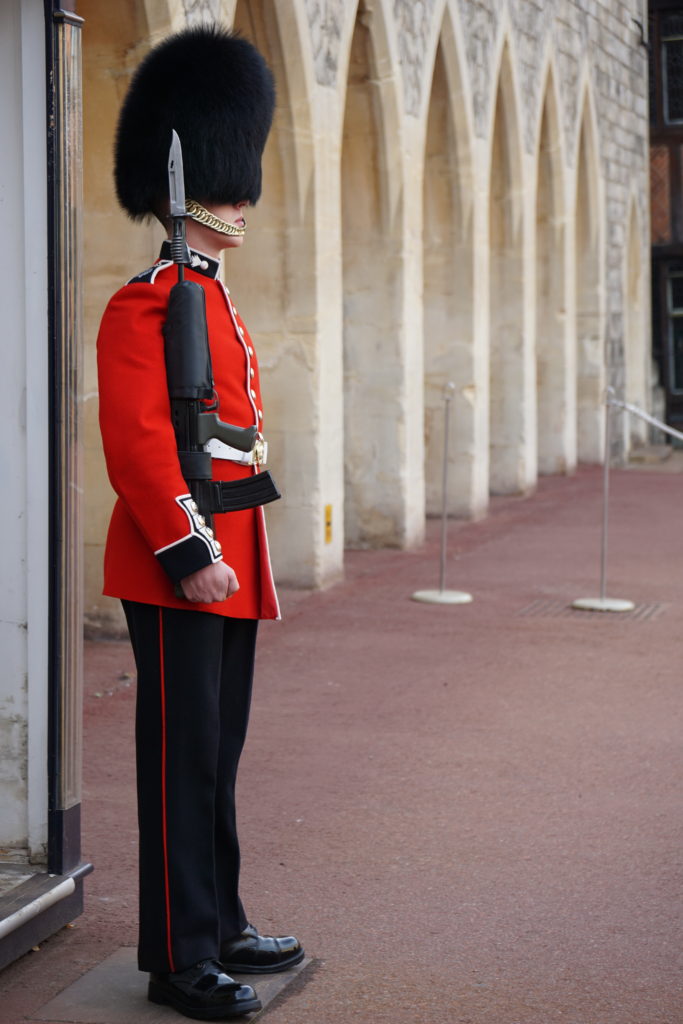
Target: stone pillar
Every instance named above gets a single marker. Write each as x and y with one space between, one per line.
590 341
554 372
379 255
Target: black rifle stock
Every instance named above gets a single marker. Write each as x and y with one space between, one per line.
193 402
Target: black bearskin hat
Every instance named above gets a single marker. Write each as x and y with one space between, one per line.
215 89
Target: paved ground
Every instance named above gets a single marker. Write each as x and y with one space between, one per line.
471 815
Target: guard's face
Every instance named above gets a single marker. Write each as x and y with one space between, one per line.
233 215
211 241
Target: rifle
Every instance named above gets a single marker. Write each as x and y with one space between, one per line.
191 386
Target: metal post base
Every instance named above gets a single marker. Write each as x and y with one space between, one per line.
441 597
603 604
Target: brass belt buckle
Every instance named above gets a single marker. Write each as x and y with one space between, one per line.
258 451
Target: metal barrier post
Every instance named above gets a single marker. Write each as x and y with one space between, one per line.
604 603
443 596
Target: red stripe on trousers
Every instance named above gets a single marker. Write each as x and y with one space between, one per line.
167 890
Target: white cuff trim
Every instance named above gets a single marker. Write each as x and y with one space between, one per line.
198 528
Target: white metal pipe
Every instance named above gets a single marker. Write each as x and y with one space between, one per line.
36 906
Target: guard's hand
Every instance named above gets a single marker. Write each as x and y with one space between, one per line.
212 583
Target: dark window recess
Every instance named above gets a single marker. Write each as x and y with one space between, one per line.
676 292
652 74
672 68
665 38
657 332
672 26
675 333
676 354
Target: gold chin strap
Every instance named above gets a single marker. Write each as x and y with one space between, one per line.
202 215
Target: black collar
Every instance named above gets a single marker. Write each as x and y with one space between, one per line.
202 264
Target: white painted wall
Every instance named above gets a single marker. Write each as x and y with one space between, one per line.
24 432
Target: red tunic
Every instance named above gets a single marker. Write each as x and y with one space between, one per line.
152 522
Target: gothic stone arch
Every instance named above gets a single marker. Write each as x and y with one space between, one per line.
448 274
508 426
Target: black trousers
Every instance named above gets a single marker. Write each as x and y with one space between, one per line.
195 674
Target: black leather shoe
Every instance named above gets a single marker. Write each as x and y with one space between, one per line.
251 953
204 992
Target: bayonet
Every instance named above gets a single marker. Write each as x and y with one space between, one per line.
177 209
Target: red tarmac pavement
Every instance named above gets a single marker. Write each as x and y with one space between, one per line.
470 815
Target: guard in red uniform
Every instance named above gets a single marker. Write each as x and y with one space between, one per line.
192 595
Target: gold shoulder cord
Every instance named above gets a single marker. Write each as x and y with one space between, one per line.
202 215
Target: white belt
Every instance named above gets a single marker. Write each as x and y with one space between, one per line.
219 450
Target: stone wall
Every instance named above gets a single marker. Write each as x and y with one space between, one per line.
454 191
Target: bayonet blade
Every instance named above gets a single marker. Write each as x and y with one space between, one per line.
176 181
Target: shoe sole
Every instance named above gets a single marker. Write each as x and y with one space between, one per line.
155 994
284 965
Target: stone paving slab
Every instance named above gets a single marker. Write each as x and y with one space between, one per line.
114 992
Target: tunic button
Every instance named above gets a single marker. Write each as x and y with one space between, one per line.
260 415
209 532
201 520
252 393
193 506
251 371
250 351
217 546
241 330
